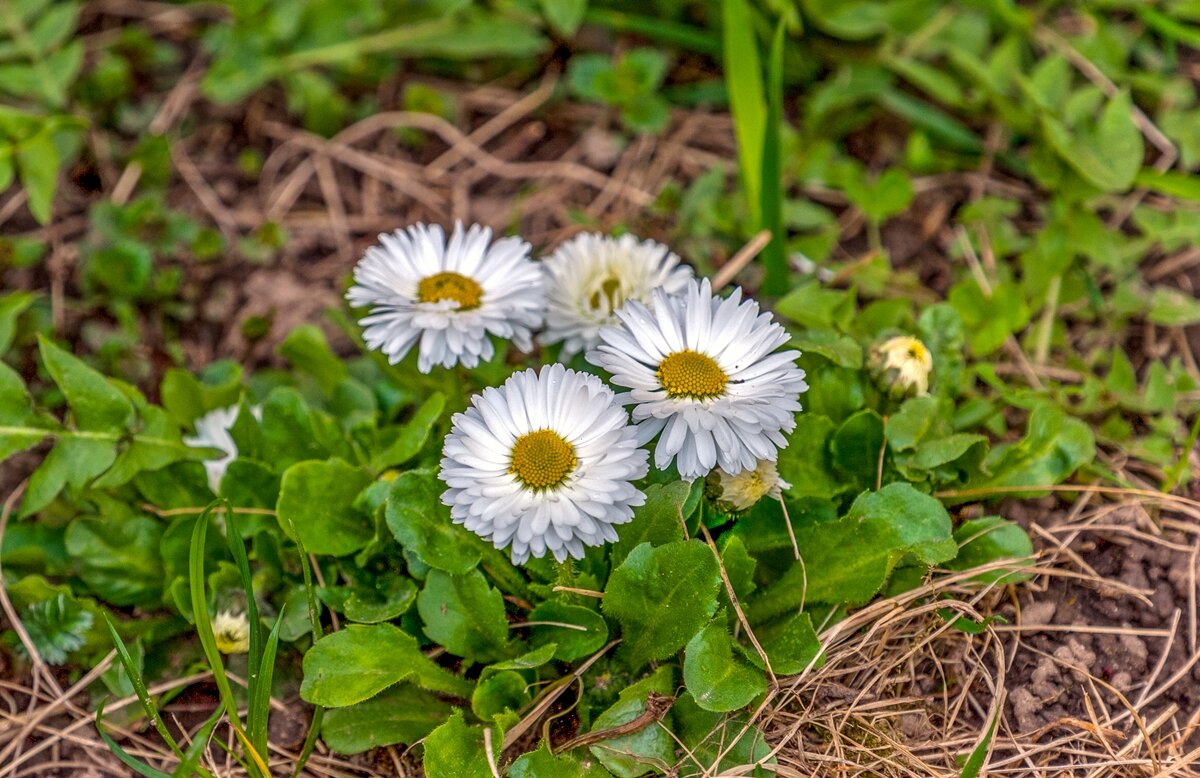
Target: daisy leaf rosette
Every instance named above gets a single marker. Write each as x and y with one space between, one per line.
591 276
704 376
446 296
543 464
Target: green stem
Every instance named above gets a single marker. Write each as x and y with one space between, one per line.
370 44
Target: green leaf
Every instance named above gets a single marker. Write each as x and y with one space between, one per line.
662 597
857 447
718 744
1055 446
305 347
389 596
500 692
317 498
118 558
12 305
990 539
96 404
400 714
412 436
465 615
791 645
37 160
849 560
1108 154
574 631
660 520
358 662
1172 308
421 523
455 750
543 764
651 746
718 679
564 16
805 465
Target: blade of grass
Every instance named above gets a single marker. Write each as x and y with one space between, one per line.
975 761
744 82
684 36
314 618
237 548
208 640
259 711
138 767
139 688
775 264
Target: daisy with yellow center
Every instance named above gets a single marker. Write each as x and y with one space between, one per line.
740 492
447 296
590 276
704 376
543 464
904 364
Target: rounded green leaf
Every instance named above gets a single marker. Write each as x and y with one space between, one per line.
465 615
719 680
421 523
661 597
401 714
577 631
316 499
360 661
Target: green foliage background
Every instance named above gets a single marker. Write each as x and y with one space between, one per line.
1065 136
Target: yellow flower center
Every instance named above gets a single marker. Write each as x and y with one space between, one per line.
691 374
450 286
542 459
609 293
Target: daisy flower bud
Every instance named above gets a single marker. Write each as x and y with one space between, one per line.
705 378
232 631
590 276
543 464
902 365
447 296
739 492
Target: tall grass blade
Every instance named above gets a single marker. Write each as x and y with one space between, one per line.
139 688
775 262
259 711
744 82
140 768
208 640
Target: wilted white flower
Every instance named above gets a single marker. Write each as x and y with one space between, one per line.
232 631
740 491
591 276
212 431
903 365
703 372
543 463
447 296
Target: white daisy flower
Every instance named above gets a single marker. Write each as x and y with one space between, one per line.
703 372
543 463
212 431
447 295
903 365
740 491
232 632
590 276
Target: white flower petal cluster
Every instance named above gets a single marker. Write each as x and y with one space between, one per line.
447 296
904 364
704 376
212 431
232 632
544 463
591 276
